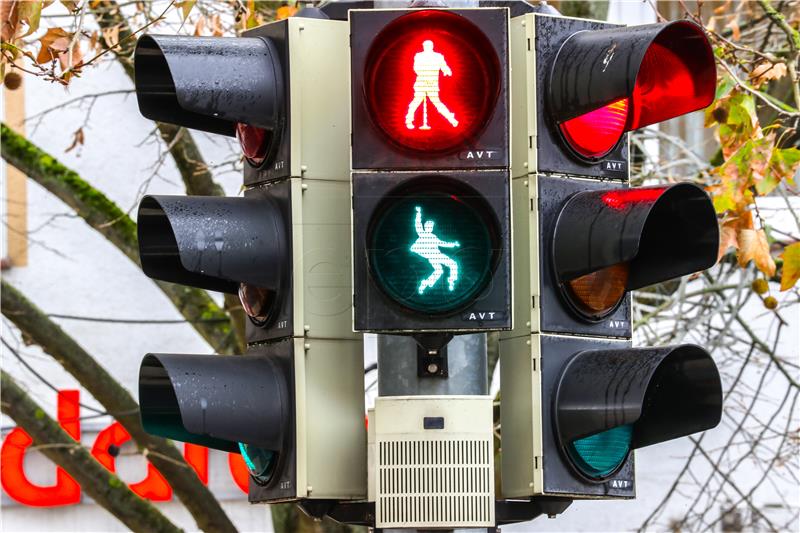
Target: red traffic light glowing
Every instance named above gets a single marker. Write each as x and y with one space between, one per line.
620 199
595 133
431 81
607 82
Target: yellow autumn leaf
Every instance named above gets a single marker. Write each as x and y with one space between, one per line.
736 33
727 239
753 245
200 27
30 13
54 42
186 7
216 26
285 12
9 18
791 266
723 8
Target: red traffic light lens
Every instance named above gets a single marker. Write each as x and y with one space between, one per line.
254 142
597 294
431 82
595 133
258 303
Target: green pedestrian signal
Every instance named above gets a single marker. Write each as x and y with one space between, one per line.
433 250
428 245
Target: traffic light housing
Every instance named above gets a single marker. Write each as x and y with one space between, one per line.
292 405
437 164
430 159
577 398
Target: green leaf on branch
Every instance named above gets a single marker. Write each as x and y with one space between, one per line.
782 166
30 13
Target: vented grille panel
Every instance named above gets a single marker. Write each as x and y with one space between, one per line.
435 483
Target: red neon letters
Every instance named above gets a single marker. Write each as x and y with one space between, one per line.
66 490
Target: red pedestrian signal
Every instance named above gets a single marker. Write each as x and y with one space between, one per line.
429 89
430 97
432 80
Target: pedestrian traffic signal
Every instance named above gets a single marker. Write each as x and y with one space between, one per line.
577 398
292 405
430 98
429 83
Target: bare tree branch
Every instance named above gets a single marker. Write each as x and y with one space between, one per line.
36 327
105 217
103 486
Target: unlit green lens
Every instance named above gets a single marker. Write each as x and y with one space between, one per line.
260 463
599 455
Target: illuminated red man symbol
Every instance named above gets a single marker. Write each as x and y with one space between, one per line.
427 65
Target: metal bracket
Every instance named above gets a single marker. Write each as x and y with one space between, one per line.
506 511
354 513
515 511
432 354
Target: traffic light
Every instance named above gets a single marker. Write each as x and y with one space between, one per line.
292 405
430 169
577 399
431 247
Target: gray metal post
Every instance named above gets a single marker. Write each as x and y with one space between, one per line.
467 368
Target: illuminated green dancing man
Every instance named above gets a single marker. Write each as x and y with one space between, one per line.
428 246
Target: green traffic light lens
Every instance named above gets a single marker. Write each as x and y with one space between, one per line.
432 245
260 462
599 455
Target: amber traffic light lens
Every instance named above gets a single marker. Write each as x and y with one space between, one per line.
257 302
597 294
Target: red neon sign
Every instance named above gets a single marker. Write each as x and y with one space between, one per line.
153 487
67 491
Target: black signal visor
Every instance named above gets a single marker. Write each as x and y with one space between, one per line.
606 82
663 70
664 392
213 243
215 401
210 83
660 232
